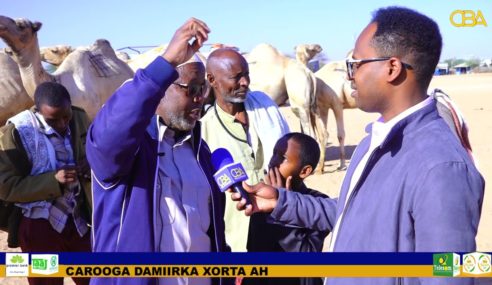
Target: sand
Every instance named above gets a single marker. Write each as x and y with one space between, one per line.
473 95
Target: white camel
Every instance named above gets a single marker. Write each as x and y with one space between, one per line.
305 52
144 59
13 96
91 75
334 74
326 98
55 55
285 79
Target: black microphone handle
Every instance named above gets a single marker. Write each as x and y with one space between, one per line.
238 188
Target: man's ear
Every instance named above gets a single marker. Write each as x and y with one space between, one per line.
211 79
395 69
306 171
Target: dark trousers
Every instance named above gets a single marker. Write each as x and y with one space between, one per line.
37 235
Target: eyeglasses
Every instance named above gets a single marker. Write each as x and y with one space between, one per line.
193 90
353 64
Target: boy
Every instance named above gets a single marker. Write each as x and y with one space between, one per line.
43 169
295 157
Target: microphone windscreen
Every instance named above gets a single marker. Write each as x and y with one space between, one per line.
220 158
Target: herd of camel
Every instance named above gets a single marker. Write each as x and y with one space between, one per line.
91 75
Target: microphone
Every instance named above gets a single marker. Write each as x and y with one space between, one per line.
228 173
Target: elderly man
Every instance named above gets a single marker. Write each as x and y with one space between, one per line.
410 186
248 124
153 184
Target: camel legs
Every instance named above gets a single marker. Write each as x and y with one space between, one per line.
312 125
338 112
327 99
321 137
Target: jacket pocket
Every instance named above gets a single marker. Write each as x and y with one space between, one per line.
167 202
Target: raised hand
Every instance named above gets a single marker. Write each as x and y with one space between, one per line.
275 179
179 49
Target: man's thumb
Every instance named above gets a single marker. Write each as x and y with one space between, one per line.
247 187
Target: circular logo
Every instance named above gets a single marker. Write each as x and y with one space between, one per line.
469 263
484 263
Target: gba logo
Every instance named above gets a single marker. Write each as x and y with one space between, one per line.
16 264
45 264
467 18
237 172
223 180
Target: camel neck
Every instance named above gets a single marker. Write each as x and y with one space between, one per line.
30 67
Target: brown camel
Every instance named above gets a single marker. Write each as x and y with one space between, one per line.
55 55
91 75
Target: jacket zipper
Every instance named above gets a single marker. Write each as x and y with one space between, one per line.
211 199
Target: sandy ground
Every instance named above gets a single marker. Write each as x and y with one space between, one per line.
472 93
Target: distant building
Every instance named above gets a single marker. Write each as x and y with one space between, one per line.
442 69
486 63
461 68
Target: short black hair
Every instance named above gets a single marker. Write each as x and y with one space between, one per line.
309 148
411 36
52 94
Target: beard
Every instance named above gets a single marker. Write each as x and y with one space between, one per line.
235 96
178 121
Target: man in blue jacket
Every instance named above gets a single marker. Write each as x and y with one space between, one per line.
410 186
153 188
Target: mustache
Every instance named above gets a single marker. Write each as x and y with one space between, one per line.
242 90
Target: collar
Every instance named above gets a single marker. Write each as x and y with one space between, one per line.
195 139
47 129
164 132
426 113
381 129
224 116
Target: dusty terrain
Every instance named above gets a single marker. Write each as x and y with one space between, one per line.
472 93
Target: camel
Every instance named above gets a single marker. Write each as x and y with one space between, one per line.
55 55
122 55
334 74
91 75
305 52
285 79
13 96
326 98
144 59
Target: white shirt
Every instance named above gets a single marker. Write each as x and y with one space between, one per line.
183 195
379 132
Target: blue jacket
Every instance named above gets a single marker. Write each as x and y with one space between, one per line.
419 191
122 151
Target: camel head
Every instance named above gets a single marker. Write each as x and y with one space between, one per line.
19 33
306 52
55 55
123 56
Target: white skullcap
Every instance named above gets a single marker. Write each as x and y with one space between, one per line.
195 58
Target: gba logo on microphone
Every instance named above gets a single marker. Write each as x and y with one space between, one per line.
467 18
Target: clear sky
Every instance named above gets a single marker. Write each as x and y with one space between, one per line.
283 23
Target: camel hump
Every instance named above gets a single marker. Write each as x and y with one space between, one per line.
264 53
103 46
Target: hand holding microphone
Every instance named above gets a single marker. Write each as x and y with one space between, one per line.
229 174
